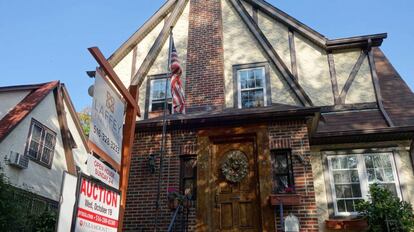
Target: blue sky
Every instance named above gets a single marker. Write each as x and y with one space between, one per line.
47 40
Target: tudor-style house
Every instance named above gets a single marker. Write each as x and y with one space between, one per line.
40 138
310 122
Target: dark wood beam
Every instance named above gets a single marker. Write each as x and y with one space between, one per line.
159 43
352 77
255 15
293 54
377 88
271 53
140 34
64 131
289 21
334 81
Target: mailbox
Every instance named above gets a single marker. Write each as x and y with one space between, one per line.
291 223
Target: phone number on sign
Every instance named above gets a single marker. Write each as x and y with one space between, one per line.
105 139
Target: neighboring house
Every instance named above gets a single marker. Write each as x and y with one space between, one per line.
40 138
311 116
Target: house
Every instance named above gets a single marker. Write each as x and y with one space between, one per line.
276 113
40 138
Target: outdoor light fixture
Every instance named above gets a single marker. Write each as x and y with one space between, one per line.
91 90
91 74
151 163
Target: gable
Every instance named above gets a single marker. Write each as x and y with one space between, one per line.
9 99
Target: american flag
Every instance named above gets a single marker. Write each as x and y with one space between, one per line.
177 93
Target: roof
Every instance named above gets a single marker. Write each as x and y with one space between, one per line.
23 108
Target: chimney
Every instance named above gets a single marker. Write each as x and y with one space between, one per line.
205 63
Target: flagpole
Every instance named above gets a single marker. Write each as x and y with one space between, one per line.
164 130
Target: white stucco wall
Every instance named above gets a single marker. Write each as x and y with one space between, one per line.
278 36
313 71
10 99
36 178
240 47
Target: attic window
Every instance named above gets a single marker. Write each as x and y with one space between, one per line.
41 144
157 95
252 85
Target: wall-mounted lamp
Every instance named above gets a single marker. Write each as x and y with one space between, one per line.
151 163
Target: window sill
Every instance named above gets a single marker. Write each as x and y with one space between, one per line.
347 224
288 199
40 163
155 114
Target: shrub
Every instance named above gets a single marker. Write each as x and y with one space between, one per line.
386 212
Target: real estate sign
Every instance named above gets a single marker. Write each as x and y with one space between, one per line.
107 119
102 172
98 207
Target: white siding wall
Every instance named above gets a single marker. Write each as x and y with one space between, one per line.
38 179
9 99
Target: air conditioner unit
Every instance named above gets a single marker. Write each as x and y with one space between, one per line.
18 160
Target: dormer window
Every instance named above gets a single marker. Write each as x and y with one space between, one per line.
252 84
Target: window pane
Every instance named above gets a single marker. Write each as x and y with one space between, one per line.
49 140
281 164
281 184
47 154
36 133
33 149
356 190
158 89
341 206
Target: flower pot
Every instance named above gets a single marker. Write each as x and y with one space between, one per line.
285 199
347 224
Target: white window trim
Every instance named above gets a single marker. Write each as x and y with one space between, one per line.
150 92
239 90
44 132
363 178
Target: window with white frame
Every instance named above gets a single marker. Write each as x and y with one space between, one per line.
157 95
252 87
41 143
351 175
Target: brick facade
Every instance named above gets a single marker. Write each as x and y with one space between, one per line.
205 64
142 190
294 135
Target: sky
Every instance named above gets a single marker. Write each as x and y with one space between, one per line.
44 40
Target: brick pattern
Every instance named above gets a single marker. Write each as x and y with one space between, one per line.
205 60
295 134
141 196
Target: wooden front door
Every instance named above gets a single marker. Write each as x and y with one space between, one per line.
235 205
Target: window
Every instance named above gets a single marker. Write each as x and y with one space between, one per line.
351 175
188 183
157 95
41 143
282 168
252 87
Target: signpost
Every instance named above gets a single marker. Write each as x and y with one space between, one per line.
132 111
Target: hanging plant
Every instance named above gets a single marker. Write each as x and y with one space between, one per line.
235 166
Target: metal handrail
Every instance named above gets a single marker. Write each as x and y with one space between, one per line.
170 227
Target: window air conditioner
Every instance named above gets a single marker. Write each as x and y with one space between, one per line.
18 160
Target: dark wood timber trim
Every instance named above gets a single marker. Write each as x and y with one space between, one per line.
349 107
271 53
64 131
376 40
289 21
352 77
293 54
327 180
255 15
159 43
334 81
378 89
134 62
75 117
140 34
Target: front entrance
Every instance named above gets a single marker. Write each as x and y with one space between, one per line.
235 202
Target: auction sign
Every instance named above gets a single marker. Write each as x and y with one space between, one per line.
102 172
98 207
107 119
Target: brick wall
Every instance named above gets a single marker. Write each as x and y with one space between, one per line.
142 190
205 65
294 135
